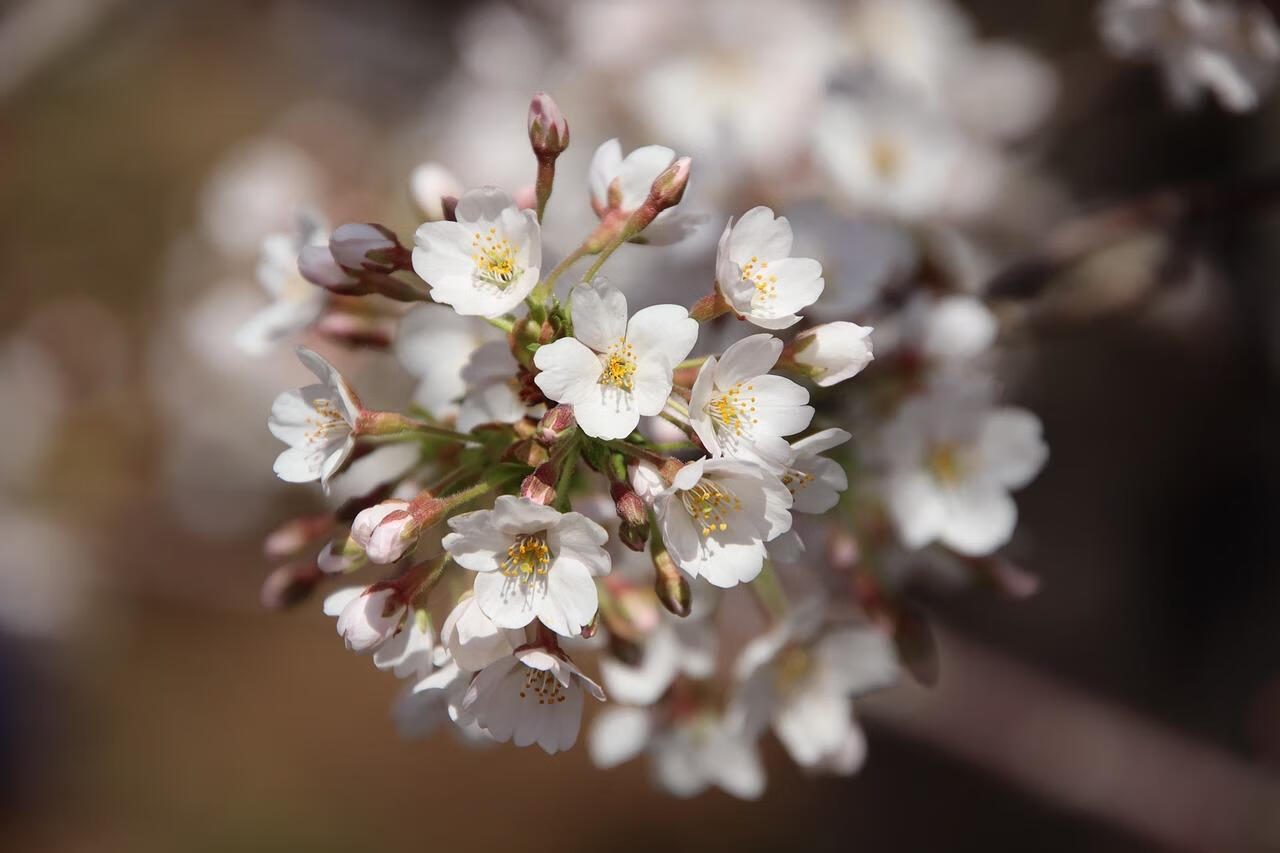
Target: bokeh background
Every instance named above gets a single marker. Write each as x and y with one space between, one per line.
148 702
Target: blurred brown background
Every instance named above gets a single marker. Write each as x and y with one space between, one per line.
169 712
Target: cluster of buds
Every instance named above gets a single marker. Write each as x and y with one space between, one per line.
577 470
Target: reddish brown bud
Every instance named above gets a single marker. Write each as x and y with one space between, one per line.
288 585
526 451
289 537
670 583
548 130
540 486
556 422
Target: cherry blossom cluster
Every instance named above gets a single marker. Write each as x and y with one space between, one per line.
581 488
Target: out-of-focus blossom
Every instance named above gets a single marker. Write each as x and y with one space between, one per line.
1229 49
620 185
951 459
295 302
802 684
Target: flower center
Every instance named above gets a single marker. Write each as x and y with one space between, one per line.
944 463
796 480
495 259
732 410
543 685
792 670
710 504
765 283
328 419
528 558
619 366
886 158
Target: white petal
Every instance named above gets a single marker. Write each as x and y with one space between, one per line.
752 356
599 315
618 735
664 329
570 372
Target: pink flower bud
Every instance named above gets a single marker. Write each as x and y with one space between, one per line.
289 537
316 265
548 130
540 486
385 531
631 508
556 422
366 618
288 585
829 353
359 246
670 584
668 188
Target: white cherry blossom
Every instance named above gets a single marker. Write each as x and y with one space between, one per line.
802 685
487 261
757 276
317 422
675 647
613 371
409 654
472 639
716 516
1229 49
295 302
531 696
367 616
950 460
814 481
689 753
619 186
833 352
533 562
739 410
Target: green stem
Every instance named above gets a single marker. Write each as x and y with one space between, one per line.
623 236
397 427
769 592
506 324
544 289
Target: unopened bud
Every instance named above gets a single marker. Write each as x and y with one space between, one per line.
670 583
360 330
289 537
556 422
527 452
288 585
634 536
668 188
829 353
540 486
630 507
625 650
386 531
589 630
548 130
365 246
316 265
